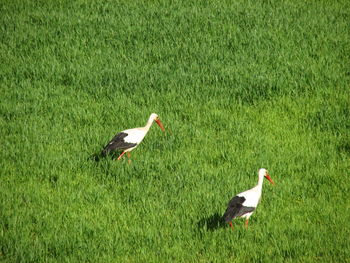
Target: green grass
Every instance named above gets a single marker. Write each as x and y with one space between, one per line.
240 84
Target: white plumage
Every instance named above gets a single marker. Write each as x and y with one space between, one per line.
245 203
129 139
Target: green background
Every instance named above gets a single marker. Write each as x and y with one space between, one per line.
238 85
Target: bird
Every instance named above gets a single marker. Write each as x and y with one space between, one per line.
244 204
128 140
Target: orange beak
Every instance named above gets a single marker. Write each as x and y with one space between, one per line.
269 178
160 124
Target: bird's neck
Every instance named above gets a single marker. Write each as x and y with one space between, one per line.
260 182
149 124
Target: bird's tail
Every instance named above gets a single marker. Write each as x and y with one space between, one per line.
227 217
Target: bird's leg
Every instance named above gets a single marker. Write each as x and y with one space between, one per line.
231 225
246 223
120 156
129 155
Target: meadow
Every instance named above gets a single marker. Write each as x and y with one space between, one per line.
238 85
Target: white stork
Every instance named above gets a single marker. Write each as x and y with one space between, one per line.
128 140
245 203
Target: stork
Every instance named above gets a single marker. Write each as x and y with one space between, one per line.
128 140
245 203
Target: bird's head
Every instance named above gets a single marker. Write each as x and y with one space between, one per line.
263 172
155 117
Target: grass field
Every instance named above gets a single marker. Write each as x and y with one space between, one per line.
239 85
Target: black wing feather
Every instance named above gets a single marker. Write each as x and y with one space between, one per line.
236 209
117 143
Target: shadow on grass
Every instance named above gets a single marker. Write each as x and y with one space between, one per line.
212 222
99 156
95 157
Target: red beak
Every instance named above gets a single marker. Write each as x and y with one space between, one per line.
160 124
269 178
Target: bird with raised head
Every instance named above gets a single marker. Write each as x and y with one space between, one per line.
244 204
